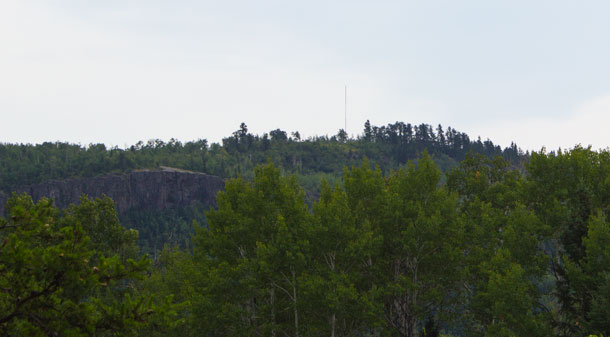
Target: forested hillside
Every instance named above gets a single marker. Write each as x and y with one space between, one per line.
311 159
207 169
486 251
483 250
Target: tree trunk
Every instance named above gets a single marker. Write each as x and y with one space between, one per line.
272 300
294 301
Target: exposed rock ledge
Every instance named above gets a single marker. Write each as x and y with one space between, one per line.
156 189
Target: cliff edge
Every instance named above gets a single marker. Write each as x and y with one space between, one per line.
156 189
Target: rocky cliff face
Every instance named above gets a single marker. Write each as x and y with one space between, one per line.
143 189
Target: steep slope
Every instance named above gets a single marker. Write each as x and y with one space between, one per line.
148 190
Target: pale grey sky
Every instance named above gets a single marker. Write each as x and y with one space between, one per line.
119 71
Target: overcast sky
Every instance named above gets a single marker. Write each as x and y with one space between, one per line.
118 71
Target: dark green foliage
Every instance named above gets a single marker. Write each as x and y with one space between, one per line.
99 220
377 254
55 281
503 261
257 246
403 254
173 227
570 191
386 248
421 249
173 280
388 146
312 160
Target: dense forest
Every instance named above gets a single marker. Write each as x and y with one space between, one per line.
311 159
488 248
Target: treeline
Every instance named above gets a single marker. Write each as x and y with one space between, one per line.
484 251
312 160
388 146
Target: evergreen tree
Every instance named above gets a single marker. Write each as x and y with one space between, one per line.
54 283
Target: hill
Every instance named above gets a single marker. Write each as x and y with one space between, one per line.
161 187
388 146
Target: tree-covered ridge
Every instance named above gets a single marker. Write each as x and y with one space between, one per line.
485 250
388 146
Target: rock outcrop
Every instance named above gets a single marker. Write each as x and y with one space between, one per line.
142 189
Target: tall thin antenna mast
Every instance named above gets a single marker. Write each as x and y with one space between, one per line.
345 129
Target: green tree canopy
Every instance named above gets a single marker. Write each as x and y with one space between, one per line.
54 283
